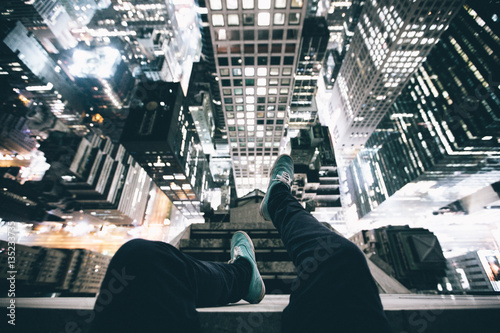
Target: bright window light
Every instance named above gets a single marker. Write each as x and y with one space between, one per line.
279 18
218 20
249 71
232 4
247 4
280 4
233 19
264 4
263 19
215 4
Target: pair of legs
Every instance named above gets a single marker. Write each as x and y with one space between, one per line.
153 287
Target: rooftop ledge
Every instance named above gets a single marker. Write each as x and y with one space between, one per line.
408 313
276 303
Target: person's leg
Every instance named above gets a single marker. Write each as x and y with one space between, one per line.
334 290
153 287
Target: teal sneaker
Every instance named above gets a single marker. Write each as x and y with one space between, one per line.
282 172
242 246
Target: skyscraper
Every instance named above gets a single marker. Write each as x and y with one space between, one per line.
442 133
391 40
313 44
160 135
255 45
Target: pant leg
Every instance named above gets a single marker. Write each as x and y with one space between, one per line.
153 287
334 290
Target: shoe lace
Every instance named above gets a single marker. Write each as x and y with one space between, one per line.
285 178
237 252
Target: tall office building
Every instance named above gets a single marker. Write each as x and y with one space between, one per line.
391 40
47 19
440 140
160 135
255 45
313 45
36 77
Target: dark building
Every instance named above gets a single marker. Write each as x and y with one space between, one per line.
21 202
444 128
479 271
316 180
312 52
411 255
160 135
42 271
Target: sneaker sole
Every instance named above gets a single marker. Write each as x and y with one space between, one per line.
263 292
270 173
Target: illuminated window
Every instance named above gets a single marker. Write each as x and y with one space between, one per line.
235 49
221 34
218 20
261 91
215 4
296 4
233 19
224 71
232 4
249 71
247 4
261 71
261 82
264 4
236 71
263 19
279 18
221 48
280 4
274 71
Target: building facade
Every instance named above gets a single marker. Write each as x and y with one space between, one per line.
255 46
160 135
391 40
442 132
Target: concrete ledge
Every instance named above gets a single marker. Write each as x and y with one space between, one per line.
407 313
233 226
391 302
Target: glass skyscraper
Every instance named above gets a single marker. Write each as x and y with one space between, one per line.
443 132
391 40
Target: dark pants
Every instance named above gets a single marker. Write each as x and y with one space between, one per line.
152 287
